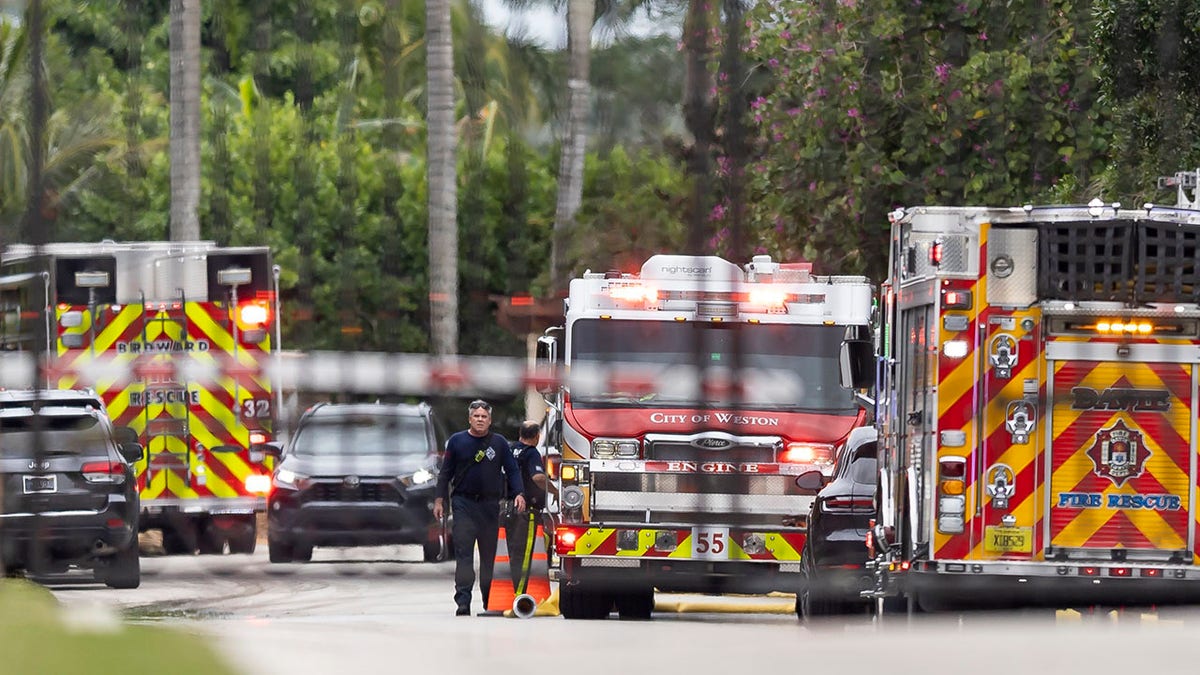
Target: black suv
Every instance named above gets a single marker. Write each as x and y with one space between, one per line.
69 492
356 474
833 562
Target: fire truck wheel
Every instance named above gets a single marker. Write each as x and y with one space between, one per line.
211 540
576 601
124 569
278 551
179 537
635 604
244 539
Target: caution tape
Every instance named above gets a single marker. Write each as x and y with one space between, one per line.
381 373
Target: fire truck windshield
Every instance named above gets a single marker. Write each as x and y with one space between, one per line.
657 363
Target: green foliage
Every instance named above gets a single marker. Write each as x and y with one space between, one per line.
1147 51
885 104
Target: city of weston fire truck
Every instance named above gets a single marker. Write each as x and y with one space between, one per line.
694 394
1037 407
139 323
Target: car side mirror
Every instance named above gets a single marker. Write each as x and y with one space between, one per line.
132 452
811 481
123 434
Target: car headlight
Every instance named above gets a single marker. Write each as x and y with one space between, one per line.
288 479
418 477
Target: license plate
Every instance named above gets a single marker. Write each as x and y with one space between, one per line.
37 485
1008 539
710 543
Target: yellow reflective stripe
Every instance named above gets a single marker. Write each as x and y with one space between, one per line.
591 540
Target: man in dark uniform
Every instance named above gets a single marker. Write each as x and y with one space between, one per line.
521 528
475 468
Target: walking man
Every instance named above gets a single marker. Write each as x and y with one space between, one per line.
521 528
475 468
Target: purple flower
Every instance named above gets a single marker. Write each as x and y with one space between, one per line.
792 112
942 71
774 63
853 112
718 212
983 36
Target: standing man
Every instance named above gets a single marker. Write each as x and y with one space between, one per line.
521 528
475 468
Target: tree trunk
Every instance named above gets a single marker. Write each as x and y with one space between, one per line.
580 14
442 177
185 120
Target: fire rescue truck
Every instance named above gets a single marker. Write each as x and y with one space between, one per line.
691 396
1036 407
176 338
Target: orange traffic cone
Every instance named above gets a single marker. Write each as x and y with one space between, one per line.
500 593
522 602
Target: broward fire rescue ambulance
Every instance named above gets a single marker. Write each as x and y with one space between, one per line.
1037 406
694 394
137 322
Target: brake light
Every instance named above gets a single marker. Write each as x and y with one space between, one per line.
258 484
851 504
808 453
257 438
103 472
253 314
564 539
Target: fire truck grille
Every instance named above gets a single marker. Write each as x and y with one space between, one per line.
736 499
686 452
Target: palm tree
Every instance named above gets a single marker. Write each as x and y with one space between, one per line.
442 176
580 14
185 120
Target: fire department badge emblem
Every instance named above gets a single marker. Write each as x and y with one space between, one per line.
1118 453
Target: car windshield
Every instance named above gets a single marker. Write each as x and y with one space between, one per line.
778 366
60 434
363 435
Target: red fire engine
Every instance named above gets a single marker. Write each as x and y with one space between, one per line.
1037 406
694 394
176 338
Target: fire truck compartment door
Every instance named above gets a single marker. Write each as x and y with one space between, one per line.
1122 449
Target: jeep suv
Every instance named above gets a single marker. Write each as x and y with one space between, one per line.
69 496
356 475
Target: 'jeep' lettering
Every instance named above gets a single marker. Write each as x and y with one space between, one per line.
1120 398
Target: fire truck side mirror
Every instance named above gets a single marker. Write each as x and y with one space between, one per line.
857 365
270 449
545 363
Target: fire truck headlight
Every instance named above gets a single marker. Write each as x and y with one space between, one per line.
606 448
955 349
820 454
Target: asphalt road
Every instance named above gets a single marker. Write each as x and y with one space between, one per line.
380 610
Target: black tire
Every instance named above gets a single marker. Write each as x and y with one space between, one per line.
211 540
302 552
279 551
124 569
811 600
576 601
430 551
244 539
180 537
635 605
